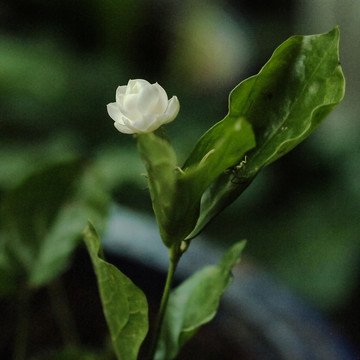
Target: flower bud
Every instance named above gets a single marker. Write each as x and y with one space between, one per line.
142 107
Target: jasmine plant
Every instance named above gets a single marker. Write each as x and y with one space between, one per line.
269 114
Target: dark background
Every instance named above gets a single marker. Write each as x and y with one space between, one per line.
61 61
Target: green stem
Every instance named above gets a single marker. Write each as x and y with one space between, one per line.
174 259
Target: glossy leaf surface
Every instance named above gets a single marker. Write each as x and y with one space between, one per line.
285 102
195 302
124 304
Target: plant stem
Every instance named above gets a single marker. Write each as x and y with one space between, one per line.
174 259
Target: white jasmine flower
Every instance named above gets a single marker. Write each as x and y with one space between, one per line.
142 107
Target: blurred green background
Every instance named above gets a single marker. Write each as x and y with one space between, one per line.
61 61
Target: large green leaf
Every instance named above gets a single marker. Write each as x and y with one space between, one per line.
285 102
43 219
194 303
124 304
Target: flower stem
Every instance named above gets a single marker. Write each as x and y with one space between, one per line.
174 259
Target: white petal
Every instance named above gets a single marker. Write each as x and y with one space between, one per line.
134 86
122 128
152 122
172 110
163 99
146 124
114 111
148 100
120 91
130 85
131 106
135 126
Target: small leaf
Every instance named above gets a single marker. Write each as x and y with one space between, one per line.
124 304
195 302
285 102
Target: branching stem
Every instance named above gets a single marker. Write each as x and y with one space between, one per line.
175 254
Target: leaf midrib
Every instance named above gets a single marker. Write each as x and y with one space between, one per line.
281 123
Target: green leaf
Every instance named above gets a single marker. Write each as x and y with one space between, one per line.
43 219
124 304
221 147
195 303
285 102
